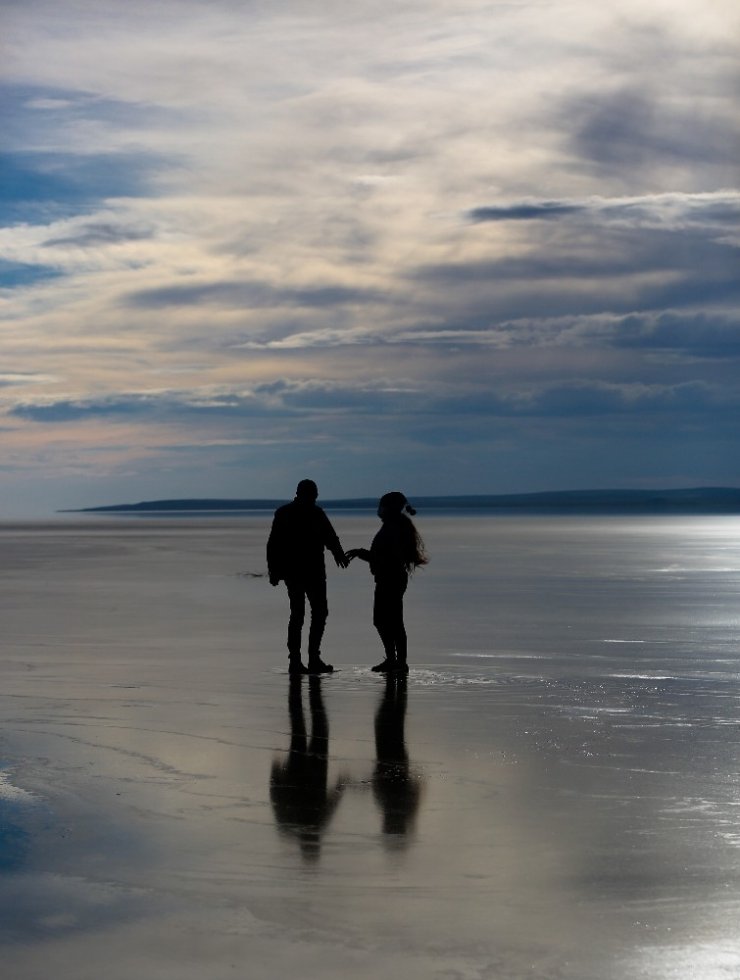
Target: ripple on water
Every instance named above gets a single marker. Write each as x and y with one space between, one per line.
454 677
11 793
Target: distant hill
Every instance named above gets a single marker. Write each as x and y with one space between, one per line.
696 500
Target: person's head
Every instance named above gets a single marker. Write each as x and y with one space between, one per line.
393 507
307 492
394 503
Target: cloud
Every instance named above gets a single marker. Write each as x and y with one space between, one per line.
51 116
589 269
706 335
634 129
26 379
598 398
274 399
671 210
373 227
251 294
693 334
395 398
72 411
160 406
525 211
100 233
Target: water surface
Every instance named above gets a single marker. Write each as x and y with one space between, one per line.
553 793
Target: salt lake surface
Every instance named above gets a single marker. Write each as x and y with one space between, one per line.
554 792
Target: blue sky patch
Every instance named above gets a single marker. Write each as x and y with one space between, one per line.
43 186
14 274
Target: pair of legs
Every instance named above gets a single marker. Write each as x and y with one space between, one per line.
313 589
388 621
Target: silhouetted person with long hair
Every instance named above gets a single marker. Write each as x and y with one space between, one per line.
302 802
295 554
396 551
396 789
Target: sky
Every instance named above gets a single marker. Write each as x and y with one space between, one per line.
442 246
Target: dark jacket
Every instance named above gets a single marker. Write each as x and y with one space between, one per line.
295 547
392 550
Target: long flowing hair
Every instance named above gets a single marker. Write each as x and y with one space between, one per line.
414 551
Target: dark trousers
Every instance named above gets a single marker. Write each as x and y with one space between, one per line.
300 589
388 615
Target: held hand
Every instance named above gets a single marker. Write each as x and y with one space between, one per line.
341 560
358 553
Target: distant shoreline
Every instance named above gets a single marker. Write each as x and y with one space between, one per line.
696 500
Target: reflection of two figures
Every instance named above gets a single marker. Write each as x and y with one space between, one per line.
302 799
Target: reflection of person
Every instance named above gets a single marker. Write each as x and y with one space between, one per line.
396 551
295 554
301 800
397 791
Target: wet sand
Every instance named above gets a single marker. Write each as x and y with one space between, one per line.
553 793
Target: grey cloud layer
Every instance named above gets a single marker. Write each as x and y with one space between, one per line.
630 131
249 295
446 217
280 399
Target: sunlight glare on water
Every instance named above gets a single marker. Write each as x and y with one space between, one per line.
554 792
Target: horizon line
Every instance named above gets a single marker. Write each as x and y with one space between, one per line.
582 495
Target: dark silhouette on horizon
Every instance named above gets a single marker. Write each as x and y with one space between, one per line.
397 790
687 500
295 554
301 799
396 551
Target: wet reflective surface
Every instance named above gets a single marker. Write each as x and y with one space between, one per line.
553 792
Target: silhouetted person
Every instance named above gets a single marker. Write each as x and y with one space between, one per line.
395 552
396 789
295 554
302 803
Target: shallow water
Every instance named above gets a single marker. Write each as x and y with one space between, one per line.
554 792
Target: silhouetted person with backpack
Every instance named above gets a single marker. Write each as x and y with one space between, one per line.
295 555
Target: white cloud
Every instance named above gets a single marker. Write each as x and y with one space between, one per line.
289 188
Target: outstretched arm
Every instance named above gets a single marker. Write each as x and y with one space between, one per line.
331 541
358 553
